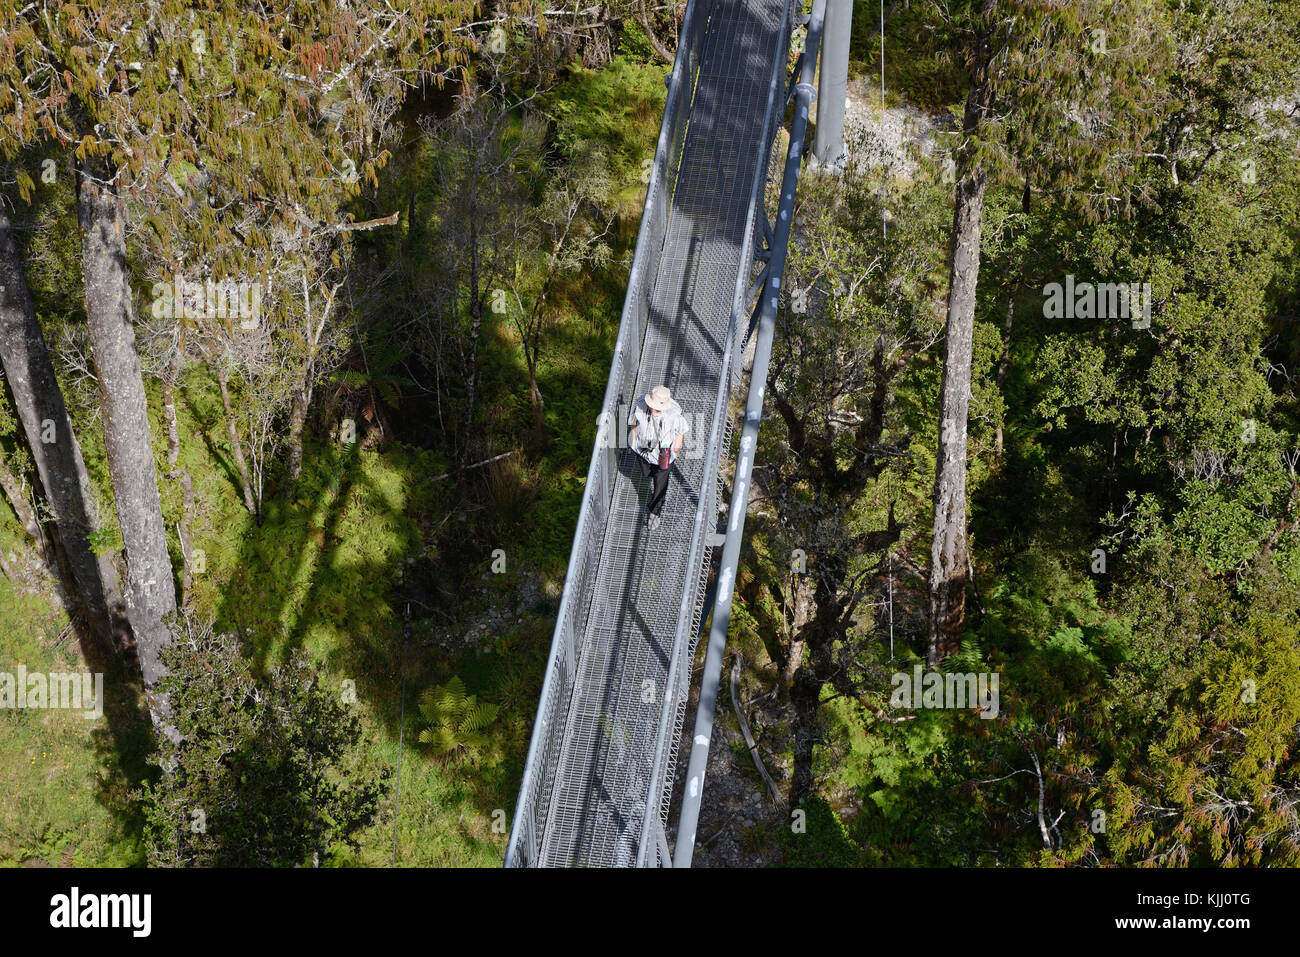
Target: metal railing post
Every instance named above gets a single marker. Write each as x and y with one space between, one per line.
832 85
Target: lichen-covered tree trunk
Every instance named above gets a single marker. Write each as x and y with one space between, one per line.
805 696
804 607
150 591
948 547
297 422
831 607
169 381
54 446
18 501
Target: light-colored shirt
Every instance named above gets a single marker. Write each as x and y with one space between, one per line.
656 431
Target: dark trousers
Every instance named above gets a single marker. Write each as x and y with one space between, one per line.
660 477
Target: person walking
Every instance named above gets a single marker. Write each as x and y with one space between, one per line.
658 428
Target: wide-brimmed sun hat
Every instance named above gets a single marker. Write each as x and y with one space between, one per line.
659 398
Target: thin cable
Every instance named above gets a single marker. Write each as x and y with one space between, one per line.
889 554
401 728
884 233
884 229
891 605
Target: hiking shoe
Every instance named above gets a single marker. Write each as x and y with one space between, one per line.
652 521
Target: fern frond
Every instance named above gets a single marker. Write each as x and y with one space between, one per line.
389 392
454 697
351 378
428 705
444 740
482 715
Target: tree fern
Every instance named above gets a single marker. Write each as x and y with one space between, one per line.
455 721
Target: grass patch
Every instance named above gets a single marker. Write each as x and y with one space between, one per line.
65 775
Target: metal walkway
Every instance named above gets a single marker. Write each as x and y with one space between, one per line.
600 767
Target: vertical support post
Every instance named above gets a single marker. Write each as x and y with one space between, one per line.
610 470
570 651
661 841
832 86
638 330
529 842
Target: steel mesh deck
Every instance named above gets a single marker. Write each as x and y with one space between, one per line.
603 787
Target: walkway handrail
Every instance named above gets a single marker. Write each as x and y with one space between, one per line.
706 511
557 686
740 486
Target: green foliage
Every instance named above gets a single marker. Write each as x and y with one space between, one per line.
376 379
1122 691
619 107
824 842
634 45
924 78
267 772
68 777
456 722
106 541
1214 786
1048 98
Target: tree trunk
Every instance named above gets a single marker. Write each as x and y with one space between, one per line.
1004 361
803 612
150 591
22 507
535 397
660 50
831 610
297 422
476 324
169 409
237 447
948 546
805 695
54 446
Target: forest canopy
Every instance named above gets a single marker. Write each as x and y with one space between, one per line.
306 316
